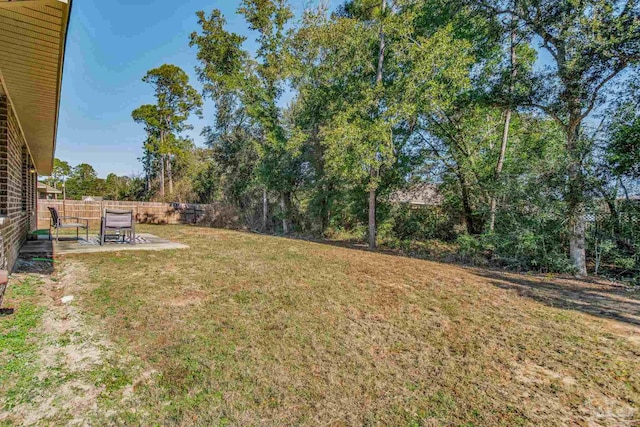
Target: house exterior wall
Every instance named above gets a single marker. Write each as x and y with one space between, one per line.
18 195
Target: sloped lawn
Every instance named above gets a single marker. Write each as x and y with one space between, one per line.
243 329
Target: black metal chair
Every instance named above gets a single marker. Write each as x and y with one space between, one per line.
57 222
119 221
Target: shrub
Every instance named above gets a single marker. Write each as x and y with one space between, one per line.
422 223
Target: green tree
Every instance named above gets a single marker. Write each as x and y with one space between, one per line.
149 116
590 43
135 190
371 100
234 157
256 84
116 187
176 100
359 138
61 170
84 181
623 134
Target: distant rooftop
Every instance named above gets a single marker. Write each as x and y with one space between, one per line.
631 197
421 194
92 198
44 188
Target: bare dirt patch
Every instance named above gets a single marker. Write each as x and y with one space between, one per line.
68 346
185 298
72 354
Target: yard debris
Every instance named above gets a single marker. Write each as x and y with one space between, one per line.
66 299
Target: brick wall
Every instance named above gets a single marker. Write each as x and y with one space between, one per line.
17 187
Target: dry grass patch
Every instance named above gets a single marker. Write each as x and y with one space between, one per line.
246 329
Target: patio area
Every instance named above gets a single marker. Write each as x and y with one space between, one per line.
43 247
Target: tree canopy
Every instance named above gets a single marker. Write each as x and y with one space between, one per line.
522 114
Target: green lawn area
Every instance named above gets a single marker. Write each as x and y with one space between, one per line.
244 329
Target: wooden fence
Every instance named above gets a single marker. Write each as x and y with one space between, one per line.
145 212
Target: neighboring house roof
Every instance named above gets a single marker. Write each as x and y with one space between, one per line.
623 197
44 188
32 42
422 194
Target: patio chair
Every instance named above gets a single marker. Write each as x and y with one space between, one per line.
121 221
57 222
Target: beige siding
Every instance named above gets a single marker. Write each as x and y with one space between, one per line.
32 41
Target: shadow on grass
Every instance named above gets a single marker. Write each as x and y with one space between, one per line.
358 245
587 296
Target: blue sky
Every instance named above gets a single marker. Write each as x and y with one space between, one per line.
110 46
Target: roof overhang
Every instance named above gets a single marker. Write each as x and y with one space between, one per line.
33 34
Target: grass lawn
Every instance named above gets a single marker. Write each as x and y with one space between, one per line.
244 329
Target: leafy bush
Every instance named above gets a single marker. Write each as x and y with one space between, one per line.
421 223
516 251
469 246
386 229
613 240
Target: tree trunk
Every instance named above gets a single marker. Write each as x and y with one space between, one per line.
372 211
325 214
467 210
265 208
577 226
575 202
162 166
577 241
498 171
575 191
148 173
147 165
381 48
492 219
162 177
285 206
505 130
169 174
373 174
614 214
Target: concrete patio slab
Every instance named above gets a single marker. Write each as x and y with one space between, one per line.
43 247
